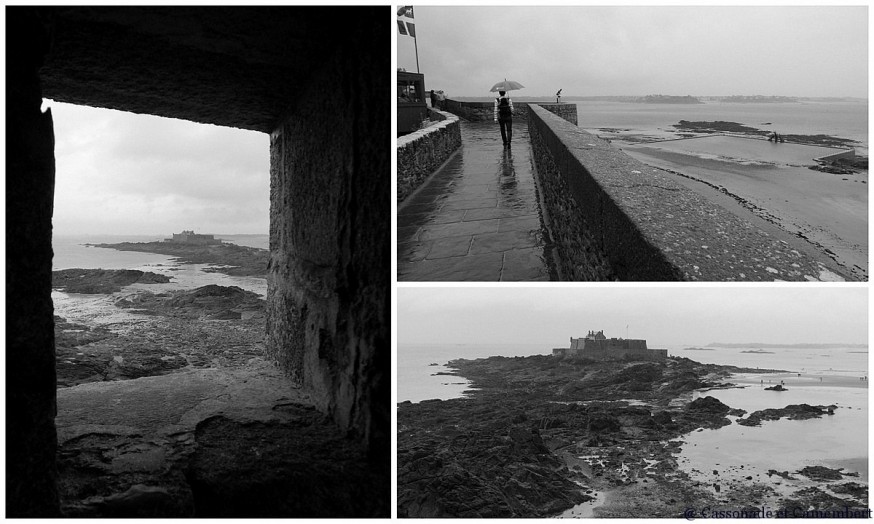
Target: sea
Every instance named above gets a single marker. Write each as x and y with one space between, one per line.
418 364
844 119
75 251
834 376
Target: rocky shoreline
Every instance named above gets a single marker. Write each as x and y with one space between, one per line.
721 126
180 330
230 259
540 436
102 281
858 164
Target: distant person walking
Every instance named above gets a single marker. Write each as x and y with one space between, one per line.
504 116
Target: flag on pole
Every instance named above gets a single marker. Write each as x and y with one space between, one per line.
401 27
406 10
411 27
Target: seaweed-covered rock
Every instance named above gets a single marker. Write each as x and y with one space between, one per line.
708 404
212 302
792 412
228 258
643 373
821 473
539 435
102 281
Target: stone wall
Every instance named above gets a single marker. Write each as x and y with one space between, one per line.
328 300
31 442
615 218
566 111
423 151
612 354
484 111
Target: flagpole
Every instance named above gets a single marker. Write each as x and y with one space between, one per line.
415 40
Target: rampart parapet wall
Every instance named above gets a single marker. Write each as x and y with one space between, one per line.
423 151
485 111
612 217
611 354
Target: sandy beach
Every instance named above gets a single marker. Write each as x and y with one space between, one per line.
829 211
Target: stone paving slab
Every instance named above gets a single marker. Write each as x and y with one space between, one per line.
478 217
525 265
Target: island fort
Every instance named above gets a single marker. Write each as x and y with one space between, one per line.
190 237
597 346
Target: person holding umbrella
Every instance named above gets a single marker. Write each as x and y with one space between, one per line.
504 116
504 108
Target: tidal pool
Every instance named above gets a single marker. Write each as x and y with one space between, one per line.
745 454
747 150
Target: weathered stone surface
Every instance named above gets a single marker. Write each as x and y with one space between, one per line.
31 471
420 153
210 443
240 67
328 297
301 468
574 233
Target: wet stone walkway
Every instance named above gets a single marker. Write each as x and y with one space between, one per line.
478 217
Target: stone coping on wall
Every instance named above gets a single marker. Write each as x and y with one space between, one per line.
420 153
484 111
649 227
445 120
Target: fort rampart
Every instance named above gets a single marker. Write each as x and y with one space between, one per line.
484 111
612 217
421 152
612 354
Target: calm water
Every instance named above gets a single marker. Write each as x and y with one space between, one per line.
746 150
835 441
416 380
840 119
70 252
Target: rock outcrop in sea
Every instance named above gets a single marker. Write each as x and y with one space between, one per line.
537 436
100 281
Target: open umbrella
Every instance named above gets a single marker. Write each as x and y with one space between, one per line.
506 85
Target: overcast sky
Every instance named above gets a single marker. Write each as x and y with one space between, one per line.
684 50
664 316
122 173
